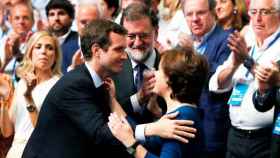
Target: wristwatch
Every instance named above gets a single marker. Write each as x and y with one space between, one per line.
132 149
249 63
31 108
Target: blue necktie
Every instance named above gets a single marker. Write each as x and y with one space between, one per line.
139 75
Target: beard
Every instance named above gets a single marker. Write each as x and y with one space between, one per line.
139 55
59 30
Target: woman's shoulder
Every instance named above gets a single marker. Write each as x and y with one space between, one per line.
188 112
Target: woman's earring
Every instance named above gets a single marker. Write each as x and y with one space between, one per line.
234 11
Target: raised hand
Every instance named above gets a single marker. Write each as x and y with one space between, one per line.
267 76
31 82
185 40
239 48
77 58
110 85
6 89
11 46
146 90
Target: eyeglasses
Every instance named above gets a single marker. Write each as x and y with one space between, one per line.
262 12
141 36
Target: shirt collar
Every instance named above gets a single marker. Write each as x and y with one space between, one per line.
150 62
269 39
62 38
97 81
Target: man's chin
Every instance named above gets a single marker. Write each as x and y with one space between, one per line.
140 57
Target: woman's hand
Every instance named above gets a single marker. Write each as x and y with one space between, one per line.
121 129
31 82
110 86
6 89
168 127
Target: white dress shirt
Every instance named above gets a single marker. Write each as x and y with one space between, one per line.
150 62
246 116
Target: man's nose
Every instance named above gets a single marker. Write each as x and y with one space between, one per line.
138 41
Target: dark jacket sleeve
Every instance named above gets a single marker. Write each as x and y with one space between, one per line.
81 104
266 101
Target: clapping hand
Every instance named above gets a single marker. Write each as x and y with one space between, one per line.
11 46
267 76
6 88
238 46
31 82
185 40
146 91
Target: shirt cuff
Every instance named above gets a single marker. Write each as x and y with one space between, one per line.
214 85
140 133
69 68
135 104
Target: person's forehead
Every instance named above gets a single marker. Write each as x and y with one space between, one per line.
143 23
125 3
190 5
117 40
88 11
262 4
57 10
20 9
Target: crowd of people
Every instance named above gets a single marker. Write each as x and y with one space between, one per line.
140 78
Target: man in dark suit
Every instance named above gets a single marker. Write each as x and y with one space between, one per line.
60 15
73 119
141 24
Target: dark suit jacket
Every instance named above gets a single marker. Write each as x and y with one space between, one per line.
73 121
69 47
125 88
265 103
216 121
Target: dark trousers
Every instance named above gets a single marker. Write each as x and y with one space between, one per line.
248 144
275 146
217 154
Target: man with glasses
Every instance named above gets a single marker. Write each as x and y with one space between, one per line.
251 130
210 40
133 90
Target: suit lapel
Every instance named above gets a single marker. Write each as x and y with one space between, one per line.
157 59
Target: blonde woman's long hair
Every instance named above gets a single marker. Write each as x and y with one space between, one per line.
27 64
173 7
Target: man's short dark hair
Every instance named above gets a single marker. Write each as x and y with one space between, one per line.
61 4
137 11
113 4
98 32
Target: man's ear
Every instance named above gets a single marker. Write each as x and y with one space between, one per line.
95 50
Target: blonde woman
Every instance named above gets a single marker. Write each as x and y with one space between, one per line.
172 24
39 71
